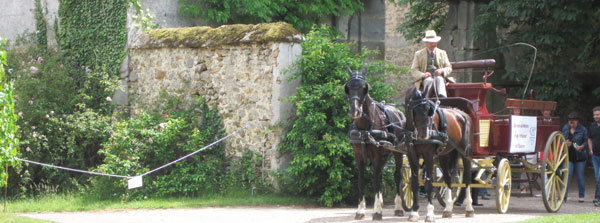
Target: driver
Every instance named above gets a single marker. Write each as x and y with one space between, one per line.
430 66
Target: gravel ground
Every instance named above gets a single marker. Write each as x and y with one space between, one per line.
520 208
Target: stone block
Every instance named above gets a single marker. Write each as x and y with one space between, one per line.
133 76
373 29
121 96
463 15
124 69
374 8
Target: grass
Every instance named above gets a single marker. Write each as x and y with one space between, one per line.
11 218
80 202
573 218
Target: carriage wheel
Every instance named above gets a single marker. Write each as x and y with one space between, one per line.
440 193
503 184
554 171
406 196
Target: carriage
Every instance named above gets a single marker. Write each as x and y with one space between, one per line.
521 138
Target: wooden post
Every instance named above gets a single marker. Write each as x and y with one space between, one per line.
5 185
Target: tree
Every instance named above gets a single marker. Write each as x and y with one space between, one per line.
301 14
566 34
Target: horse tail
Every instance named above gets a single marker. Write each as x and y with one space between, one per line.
467 137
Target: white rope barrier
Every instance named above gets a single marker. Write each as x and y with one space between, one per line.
71 169
134 181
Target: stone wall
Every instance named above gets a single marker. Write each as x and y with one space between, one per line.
17 18
237 68
398 50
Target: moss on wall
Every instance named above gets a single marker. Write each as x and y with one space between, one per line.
204 36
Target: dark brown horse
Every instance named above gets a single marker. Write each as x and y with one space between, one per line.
376 127
441 133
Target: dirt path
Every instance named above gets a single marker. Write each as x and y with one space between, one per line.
520 208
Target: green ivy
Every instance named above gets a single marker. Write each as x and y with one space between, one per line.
93 33
8 118
301 14
323 161
41 25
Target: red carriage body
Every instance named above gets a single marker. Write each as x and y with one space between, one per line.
492 131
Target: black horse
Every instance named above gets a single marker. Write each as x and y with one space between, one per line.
376 127
441 133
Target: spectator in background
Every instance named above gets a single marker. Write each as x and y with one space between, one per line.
576 136
594 148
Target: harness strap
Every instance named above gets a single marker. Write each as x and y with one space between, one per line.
442 123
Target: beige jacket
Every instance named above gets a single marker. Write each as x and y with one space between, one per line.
419 64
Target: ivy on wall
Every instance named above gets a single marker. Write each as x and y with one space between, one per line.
93 33
41 25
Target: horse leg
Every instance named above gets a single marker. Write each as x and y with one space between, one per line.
398 211
447 165
378 163
469 211
414 184
428 160
360 213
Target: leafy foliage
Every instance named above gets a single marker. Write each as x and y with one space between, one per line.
550 26
143 20
162 135
323 162
55 127
301 14
423 15
8 118
41 25
93 33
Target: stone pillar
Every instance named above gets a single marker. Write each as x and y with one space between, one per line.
398 50
371 33
457 37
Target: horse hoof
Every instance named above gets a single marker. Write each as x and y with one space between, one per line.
377 216
447 214
359 216
399 213
470 214
413 218
429 219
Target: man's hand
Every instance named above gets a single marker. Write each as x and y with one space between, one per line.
439 72
580 147
569 143
426 75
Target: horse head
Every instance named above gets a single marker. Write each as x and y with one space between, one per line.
420 112
356 90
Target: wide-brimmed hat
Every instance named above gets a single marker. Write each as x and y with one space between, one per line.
573 116
431 37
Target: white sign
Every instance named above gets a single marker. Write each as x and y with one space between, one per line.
523 130
135 182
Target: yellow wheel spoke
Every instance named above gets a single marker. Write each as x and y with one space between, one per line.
560 181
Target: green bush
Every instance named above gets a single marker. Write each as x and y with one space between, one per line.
323 162
158 136
55 124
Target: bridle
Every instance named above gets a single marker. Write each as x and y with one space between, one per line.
421 103
354 98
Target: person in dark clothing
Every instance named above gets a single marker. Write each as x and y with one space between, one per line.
594 145
576 136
